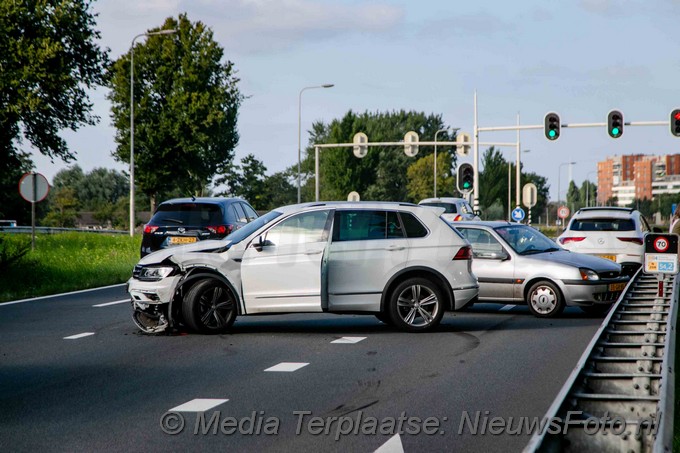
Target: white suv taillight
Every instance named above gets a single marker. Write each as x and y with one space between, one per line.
637 241
464 253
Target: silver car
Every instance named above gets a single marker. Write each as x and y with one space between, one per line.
455 209
516 263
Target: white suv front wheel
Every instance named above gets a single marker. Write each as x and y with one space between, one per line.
416 305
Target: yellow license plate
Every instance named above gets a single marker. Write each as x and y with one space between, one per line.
608 257
182 240
617 286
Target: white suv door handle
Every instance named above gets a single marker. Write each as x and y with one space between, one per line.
312 252
394 248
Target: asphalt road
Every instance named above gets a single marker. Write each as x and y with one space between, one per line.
62 390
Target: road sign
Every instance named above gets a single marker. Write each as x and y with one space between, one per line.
563 212
411 143
529 195
518 214
359 149
661 253
353 196
33 187
462 150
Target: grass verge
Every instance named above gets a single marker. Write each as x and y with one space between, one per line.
67 262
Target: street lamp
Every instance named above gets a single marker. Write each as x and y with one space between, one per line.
455 129
325 85
559 172
132 122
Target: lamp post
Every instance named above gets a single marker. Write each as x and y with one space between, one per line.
559 172
510 185
132 122
325 85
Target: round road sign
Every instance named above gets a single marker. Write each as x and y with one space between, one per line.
563 212
33 187
353 196
661 244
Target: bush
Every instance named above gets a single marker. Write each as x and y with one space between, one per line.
11 251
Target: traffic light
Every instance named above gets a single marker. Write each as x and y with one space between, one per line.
675 123
615 124
466 178
552 126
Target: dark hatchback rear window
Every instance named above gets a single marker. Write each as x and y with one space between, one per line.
603 225
195 214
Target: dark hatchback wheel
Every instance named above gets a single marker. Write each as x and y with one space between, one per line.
209 307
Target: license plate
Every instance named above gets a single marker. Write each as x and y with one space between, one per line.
617 286
608 257
182 240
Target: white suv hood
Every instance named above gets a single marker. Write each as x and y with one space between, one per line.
200 246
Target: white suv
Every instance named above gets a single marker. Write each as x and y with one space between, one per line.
398 261
609 232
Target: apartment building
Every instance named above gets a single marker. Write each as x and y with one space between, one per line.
637 176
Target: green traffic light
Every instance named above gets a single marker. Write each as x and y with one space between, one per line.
466 185
615 131
551 133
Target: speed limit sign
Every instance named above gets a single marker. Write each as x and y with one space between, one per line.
661 244
563 212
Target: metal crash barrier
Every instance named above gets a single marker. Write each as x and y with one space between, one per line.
620 396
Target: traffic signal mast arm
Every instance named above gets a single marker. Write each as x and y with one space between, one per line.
573 125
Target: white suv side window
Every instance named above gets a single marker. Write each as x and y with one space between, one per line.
300 229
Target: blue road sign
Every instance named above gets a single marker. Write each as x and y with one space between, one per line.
518 214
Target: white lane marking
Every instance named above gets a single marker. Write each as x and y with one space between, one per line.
80 335
348 340
112 303
2 304
507 307
287 366
198 405
392 446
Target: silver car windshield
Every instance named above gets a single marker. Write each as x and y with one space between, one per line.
526 240
242 233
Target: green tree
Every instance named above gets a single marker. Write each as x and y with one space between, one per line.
279 190
101 186
574 197
382 174
63 209
247 181
186 104
588 193
12 205
493 179
420 176
49 57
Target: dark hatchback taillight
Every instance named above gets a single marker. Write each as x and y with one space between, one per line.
221 230
148 229
464 253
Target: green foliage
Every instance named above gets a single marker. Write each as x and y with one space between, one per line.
420 176
247 181
494 212
67 262
279 190
382 174
574 197
63 208
186 104
11 251
48 59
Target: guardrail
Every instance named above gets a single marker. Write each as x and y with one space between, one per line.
620 395
52 230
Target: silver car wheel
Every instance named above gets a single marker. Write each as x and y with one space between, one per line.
417 305
544 300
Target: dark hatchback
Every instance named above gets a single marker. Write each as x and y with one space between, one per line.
187 220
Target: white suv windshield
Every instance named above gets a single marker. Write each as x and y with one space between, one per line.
242 233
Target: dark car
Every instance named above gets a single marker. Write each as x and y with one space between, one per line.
187 220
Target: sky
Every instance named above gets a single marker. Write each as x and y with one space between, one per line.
579 58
